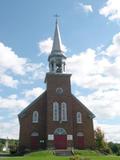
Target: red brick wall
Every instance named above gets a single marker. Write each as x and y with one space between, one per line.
54 81
44 105
26 125
86 126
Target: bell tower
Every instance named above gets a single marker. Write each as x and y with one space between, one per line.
58 94
57 58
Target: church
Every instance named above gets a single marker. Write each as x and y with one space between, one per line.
56 119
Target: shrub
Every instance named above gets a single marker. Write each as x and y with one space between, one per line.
115 147
23 150
13 149
106 150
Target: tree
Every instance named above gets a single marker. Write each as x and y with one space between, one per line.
101 144
115 147
99 138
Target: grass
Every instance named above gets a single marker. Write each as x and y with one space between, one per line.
48 155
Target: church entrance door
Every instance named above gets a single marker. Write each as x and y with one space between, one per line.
60 141
80 141
34 141
60 138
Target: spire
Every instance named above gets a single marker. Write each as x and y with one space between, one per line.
57 58
57 45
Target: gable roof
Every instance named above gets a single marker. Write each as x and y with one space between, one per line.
84 107
21 114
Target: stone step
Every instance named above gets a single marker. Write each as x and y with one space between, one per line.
63 152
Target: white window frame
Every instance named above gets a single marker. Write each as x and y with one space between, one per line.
35 117
79 117
55 111
63 112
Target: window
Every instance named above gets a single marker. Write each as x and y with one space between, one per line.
80 134
60 131
55 111
34 134
63 112
79 117
35 117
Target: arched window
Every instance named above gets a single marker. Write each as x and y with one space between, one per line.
35 117
34 134
80 134
60 131
55 111
79 117
63 111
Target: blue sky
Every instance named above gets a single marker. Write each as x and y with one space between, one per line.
91 38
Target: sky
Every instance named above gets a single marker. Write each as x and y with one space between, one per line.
90 33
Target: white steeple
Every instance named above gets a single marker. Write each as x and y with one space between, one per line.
57 58
57 45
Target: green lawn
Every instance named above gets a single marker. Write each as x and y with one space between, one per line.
48 155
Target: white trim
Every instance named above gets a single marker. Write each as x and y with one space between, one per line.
60 131
70 137
50 137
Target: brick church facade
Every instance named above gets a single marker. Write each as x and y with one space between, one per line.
56 119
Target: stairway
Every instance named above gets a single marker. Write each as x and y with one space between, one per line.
63 152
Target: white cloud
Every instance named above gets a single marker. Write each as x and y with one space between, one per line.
86 8
112 131
8 81
45 46
10 60
13 103
104 103
37 71
9 129
96 72
34 93
114 49
111 10
11 106
11 65
83 66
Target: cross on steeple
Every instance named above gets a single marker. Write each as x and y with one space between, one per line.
56 16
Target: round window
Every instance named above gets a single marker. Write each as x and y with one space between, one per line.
59 91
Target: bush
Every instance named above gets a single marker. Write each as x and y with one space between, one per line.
23 150
13 149
115 147
106 150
